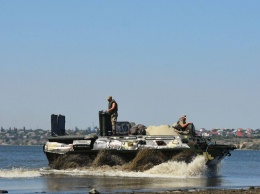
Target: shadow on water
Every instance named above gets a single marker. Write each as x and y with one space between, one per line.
108 184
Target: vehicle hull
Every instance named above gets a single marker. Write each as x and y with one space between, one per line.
85 151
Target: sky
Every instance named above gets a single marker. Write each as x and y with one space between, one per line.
159 59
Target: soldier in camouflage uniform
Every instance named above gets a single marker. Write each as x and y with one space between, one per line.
181 125
113 111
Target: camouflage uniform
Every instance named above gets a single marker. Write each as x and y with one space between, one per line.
179 122
114 115
189 129
182 130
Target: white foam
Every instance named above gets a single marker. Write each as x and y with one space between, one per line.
19 173
174 169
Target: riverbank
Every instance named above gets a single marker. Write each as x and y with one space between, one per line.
250 190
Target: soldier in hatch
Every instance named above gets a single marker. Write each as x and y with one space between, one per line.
182 125
182 122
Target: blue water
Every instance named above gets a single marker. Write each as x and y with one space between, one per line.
24 169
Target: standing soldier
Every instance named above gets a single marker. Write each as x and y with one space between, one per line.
112 110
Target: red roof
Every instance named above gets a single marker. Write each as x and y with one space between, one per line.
239 134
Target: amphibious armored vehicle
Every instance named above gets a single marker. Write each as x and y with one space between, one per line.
124 146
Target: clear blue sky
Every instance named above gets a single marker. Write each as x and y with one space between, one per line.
158 59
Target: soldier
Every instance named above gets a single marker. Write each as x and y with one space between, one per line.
182 122
112 110
181 125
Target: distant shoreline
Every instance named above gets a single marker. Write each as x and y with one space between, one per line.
240 143
43 145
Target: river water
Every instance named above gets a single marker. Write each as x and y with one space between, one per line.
24 169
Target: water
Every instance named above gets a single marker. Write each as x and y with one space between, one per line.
24 169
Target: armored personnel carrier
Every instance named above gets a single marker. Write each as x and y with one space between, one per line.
127 142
